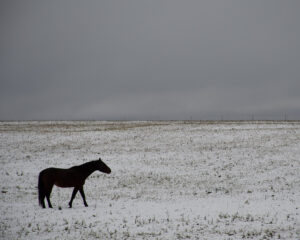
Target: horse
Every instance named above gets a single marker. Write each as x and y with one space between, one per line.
71 177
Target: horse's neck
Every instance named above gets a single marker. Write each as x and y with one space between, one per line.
88 169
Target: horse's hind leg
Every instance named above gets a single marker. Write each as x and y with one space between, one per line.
49 190
83 196
48 200
73 196
43 201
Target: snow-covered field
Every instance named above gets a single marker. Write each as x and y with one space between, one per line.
169 180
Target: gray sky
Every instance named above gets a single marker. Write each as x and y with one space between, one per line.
141 59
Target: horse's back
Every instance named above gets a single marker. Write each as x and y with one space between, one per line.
51 171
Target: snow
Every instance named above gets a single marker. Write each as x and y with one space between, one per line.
169 180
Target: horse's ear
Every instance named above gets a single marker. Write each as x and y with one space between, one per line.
99 159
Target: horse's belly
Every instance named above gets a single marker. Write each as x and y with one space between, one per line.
64 184
72 182
67 178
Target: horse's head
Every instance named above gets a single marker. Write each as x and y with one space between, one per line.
102 167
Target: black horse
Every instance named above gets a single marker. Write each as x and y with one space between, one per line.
72 177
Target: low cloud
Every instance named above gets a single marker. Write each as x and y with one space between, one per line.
149 60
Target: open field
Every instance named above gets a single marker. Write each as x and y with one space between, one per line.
169 180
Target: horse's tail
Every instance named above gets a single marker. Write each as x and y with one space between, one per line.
41 190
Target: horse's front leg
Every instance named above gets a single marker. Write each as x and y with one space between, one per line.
83 196
73 196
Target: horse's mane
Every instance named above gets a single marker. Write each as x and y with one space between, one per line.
85 165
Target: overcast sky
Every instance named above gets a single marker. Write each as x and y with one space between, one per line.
141 59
